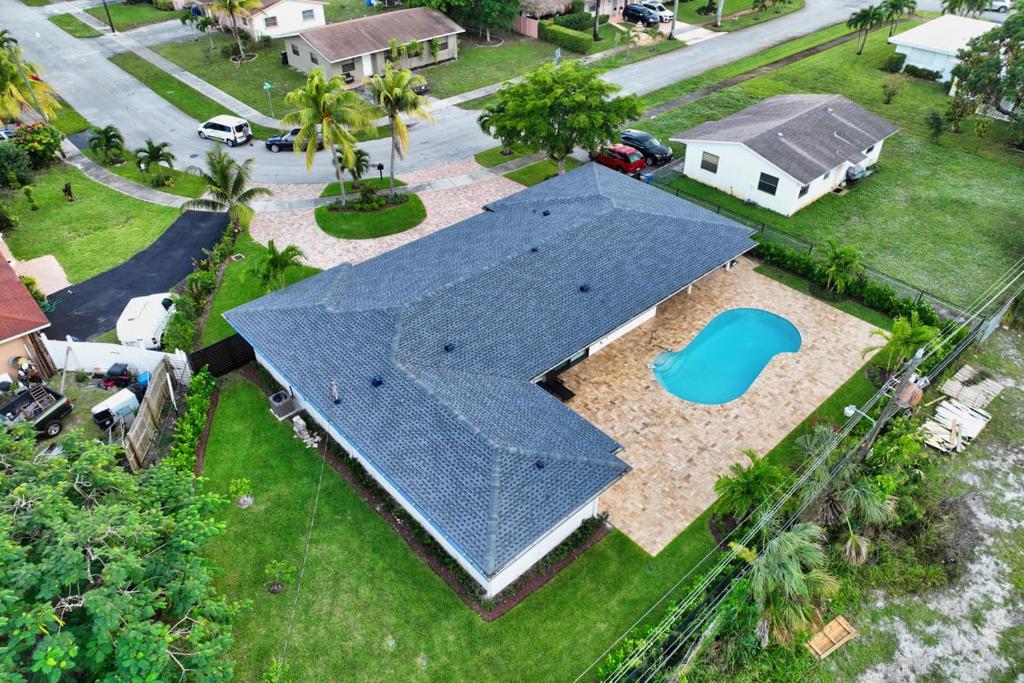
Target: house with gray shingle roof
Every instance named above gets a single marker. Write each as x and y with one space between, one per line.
428 363
786 151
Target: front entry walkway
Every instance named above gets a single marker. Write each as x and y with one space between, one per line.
677 449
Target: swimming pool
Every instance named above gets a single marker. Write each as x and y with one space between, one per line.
725 358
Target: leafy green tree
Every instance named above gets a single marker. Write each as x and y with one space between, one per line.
102 575
227 184
484 14
323 107
395 93
903 340
560 108
990 71
841 266
863 20
279 573
154 156
107 142
234 10
269 268
493 123
789 582
747 486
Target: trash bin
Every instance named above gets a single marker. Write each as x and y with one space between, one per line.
648 178
284 57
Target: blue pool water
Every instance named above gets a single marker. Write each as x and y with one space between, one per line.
725 358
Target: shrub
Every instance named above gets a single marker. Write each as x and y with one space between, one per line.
15 165
576 41
935 123
918 72
30 197
81 376
577 21
190 426
894 62
33 288
165 5
8 220
181 328
41 141
889 91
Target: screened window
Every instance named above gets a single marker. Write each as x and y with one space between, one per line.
803 190
348 65
768 183
709 162
270 22
307 15
312 58
443 43
870 149
295 50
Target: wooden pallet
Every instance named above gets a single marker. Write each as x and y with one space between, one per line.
836 633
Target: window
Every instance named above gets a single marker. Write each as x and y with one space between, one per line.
245 22
870 149
825 177
803 190
307 15
443 44
270 22
312 58
348 65
295 49
768 183
709 162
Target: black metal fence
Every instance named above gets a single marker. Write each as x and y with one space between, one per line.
224 356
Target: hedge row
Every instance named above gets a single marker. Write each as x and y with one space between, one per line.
576 41
918 72
190 426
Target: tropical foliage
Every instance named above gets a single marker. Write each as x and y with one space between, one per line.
227 184
21 84
894 10
192 422
107 142
904 339
863 21
235 10
746 487
269 268
841 266
154 156
395 93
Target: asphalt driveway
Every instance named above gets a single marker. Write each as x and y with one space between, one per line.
92 307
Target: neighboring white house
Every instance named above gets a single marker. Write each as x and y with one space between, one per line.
786 151
934 44
276 19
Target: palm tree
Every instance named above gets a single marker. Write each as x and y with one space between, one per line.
235 9
489 121
324 107
863 20
903 340
395 93
748 486
359 166
842 267
20 85
895 9
270 267
788 581
201 23
154 155
862 501
107 142
227 184
631 37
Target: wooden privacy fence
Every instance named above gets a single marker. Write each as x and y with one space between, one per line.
224 356
144 429
526 26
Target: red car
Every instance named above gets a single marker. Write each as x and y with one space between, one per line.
621 158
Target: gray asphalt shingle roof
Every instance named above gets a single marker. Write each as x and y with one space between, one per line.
459 323
804 135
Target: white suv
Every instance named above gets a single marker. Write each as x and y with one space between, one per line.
1001 6
228 129
664 13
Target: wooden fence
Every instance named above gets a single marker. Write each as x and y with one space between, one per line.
526 26
144 429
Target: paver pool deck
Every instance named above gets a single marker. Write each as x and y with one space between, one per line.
677 449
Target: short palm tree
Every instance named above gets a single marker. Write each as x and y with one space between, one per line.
395 93
863 20
490 120
227 184
154 156
269 268
842 267
235 9
323 106
20 85
359 166
860 501
903 340
107 142
788 581
201 23
747 486
631 37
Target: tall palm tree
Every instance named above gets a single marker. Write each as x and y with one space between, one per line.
154 155
903 340
842 266
324 107
20 84
271 265
895 9
747 486
107 142
227 184
788 581
235 9
395 93
863 20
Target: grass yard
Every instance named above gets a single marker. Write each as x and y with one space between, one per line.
361 225
364 586
182 184
187 99
238 286
343 10
934 215
99 230
637 53
73 26
67 120
540 171
754 18
478 66
376 183
127 17
489 158
35 3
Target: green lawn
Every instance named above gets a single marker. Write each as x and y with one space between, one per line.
539 172
360 225
67 120
478 66
36 3
127 17
332 189
98 231
73 26
182 183
754 18
187 99
343 10
238 286
637 53
928 211
489 158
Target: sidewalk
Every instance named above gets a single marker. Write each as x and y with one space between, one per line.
101 175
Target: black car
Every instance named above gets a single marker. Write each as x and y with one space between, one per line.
286 140
423 87
648 145
639 13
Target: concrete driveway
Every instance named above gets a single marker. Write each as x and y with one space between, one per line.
92 307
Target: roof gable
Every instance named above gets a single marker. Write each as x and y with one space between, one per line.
19 312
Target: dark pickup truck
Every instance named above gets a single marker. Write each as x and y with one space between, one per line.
38 405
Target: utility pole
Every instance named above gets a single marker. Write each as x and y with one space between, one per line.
109 20
675 12
895 403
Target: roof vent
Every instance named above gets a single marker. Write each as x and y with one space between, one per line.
779 133
539 464
829 110
545 212
534 250
376 381
584 288
334 392
449 347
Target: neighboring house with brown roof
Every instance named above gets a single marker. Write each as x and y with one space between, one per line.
276 19
21 321
358 48
786 151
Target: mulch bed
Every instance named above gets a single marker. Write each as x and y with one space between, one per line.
523 587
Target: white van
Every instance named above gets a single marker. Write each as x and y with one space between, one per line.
228 129
144 319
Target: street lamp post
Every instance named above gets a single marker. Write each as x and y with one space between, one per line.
109 20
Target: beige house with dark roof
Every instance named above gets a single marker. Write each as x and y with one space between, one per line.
358 48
